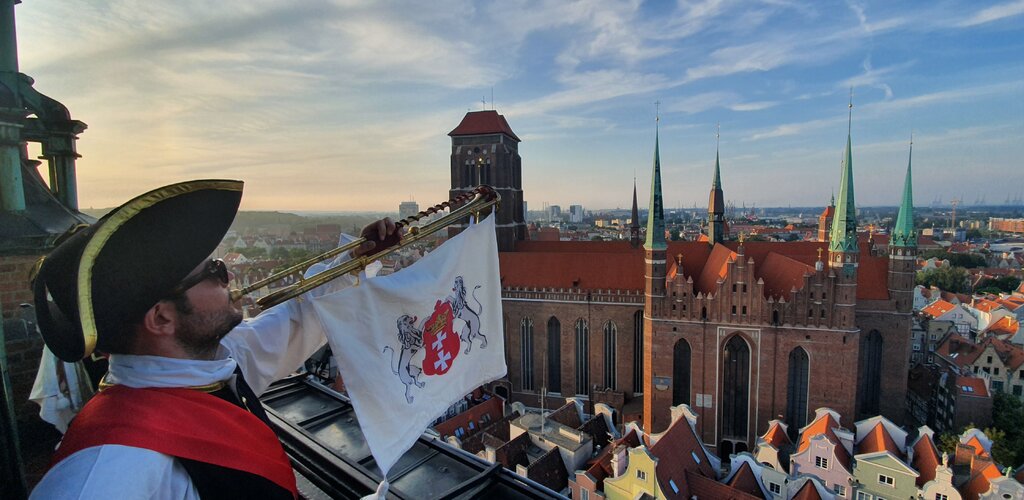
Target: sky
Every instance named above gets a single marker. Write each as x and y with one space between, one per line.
346 105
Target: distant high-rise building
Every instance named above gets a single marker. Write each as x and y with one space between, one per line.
554 212
407 208
575 214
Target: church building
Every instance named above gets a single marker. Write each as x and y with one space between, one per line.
743 332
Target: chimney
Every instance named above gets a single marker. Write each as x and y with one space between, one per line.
620 460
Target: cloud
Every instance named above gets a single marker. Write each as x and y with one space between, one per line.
994 13
754 106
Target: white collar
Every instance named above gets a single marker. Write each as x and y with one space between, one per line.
156 371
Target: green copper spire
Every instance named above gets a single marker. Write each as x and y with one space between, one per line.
843 237
656 215
903 233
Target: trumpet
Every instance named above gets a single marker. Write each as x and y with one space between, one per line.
472 202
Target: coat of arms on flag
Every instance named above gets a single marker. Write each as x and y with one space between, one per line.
411 344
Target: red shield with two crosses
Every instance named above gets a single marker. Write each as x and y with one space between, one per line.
440 340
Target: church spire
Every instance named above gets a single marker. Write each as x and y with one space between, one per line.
716 203
903 233
634 225
656 215
843 237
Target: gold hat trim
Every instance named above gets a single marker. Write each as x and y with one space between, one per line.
110 226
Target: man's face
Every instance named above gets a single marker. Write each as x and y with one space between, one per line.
207 316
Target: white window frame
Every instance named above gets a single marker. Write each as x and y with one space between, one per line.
887 480
821 462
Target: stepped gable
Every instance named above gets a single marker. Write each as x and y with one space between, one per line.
926 459
679 451
807 492
825 425
744 480
482 123
781 265
698 486
878 440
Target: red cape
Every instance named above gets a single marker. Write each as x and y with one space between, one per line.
182 423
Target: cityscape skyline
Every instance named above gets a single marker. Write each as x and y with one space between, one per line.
345 106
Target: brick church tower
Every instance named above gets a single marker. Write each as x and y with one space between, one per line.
654 282
485 150
843 248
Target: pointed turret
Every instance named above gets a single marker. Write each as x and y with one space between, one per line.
903 233
655 214
716 206
634 224
843 236
903 248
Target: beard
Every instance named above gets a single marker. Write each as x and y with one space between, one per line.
199 334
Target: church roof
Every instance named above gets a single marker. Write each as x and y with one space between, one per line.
616 265
483 122
587 265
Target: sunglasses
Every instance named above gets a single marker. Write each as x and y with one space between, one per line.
215 268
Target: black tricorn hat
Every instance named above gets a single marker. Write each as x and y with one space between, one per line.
108 275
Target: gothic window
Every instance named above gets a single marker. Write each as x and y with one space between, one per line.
554 355
871 391
796 390
526 353
609 355
681 373
775 317
638 352
582 356
703 313
735 388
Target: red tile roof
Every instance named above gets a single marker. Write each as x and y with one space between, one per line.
977 386
679 451
601 468
938 308
588 265
776 436
878 440
1010 354
1005 325
974 442
781 265
926 459
699 486
745 480
483 122
980 483
984 305
825 425
807 492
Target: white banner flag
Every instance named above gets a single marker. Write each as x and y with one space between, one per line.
411 344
